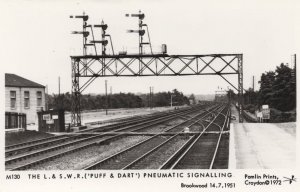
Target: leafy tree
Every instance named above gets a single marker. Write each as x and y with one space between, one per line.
232 97
192 98
284 89
278 89
266 87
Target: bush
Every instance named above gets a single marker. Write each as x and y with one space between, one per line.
277 116
251 108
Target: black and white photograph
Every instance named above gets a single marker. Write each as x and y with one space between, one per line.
184 95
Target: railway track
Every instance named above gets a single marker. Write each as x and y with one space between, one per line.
222 150
29 160
179 127
154 158
27 146
41 151
130 157
9 147
22 161
202 153
221 159
153 121
58 141
195 120
41 144
125 157
134 121
52 140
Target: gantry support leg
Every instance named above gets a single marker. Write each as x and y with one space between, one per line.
240 87
75 107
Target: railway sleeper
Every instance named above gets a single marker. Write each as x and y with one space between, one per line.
49 150
38 146
23 167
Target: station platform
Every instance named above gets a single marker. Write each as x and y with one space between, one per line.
262 145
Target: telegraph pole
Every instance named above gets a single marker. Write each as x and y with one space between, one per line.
59 98
46 98
58 85
295 62
150 98
294 71
295 76
110 96
106 102
253 83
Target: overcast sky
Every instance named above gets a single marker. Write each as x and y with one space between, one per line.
36 42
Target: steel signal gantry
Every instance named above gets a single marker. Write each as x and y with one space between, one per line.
155 65
76 110
89 67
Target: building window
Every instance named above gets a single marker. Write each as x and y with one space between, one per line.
12 99
26 99
39 98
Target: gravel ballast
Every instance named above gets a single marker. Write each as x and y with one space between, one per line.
157 158
88 156
24 136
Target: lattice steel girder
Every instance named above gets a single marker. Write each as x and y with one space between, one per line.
75 106
240 87
94 66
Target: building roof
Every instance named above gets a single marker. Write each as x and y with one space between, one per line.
12 80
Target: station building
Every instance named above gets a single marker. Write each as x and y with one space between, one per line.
23 96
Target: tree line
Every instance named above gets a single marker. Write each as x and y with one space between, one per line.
119 100
277 89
